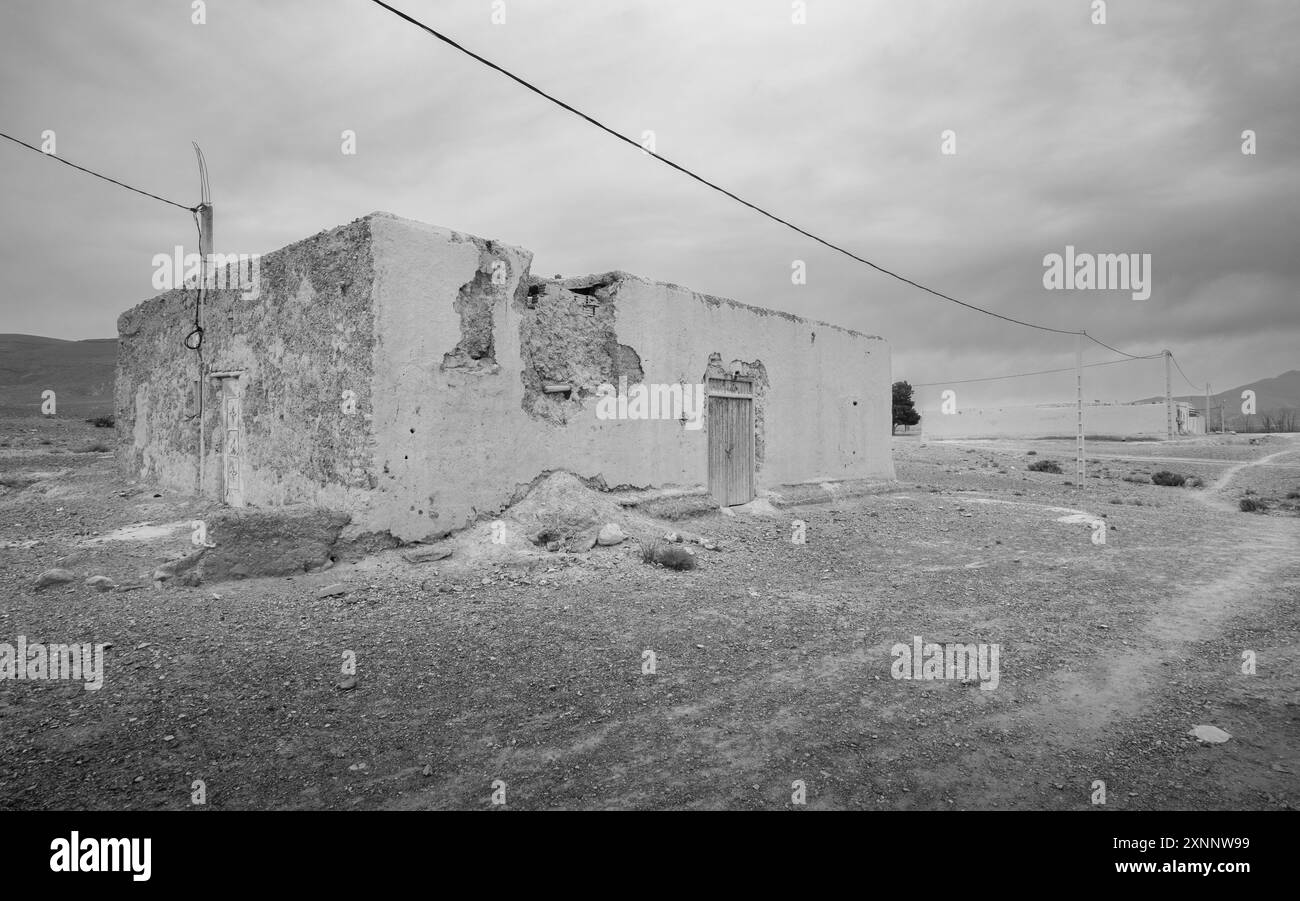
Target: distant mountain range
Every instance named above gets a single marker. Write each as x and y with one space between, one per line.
1279 393
80 373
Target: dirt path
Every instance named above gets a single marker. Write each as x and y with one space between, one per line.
1221 484
1095 706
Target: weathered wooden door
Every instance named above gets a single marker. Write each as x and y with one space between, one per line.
731 441
232 447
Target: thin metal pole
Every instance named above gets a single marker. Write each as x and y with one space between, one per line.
1169 401
1078 404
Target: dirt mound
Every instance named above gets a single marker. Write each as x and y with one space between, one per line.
558 513
562 505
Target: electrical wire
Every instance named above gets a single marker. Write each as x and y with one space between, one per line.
194 340
1195 386
1017 375
94 173
682 169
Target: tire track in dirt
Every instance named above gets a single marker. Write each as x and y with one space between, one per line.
1252 551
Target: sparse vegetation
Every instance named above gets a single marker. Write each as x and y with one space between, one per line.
102 422
1250 505
1292 495
680 507
1045 466
97 447
1169 479
668 555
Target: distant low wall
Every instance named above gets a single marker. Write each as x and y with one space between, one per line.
1120 420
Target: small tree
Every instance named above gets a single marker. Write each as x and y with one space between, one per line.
904 407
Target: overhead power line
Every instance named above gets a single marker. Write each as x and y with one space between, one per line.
1017 375
94 173
704 181
1195 386
1120 352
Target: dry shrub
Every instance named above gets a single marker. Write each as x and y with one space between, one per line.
668 555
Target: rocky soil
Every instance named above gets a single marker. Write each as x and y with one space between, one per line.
505 668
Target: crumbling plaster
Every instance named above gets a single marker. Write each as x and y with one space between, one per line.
448 344
305 338
453 445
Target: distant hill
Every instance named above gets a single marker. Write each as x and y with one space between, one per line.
1279 393
80 373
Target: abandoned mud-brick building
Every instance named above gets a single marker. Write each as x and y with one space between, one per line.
417 378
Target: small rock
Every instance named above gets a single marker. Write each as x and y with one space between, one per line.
347 684
427 771
169 738
331 591
426 553
54 577
1209 734
610 535
101 583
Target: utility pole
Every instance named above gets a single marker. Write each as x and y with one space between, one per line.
204 215
1207 408
1169 401
1078 404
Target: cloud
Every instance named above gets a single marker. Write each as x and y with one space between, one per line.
1116 138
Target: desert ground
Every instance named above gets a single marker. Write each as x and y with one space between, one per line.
524 671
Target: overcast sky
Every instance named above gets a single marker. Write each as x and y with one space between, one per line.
1122 137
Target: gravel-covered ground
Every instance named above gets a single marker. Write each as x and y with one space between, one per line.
772 659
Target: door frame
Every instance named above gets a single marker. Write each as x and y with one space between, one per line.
737 388
230 384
